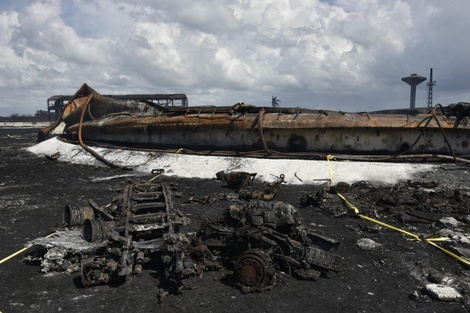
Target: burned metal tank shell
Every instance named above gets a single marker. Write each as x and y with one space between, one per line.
440 132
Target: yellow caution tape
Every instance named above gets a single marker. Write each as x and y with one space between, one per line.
390 227
431 241
441 239
356 210
455 256
22 250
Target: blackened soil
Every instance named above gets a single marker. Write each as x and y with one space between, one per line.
33 192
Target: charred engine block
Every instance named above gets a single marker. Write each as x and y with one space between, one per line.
264 236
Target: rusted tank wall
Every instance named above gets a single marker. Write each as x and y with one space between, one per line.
307 133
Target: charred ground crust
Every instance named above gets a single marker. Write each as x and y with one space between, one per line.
391 278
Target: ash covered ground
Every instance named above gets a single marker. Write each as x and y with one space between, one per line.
389 278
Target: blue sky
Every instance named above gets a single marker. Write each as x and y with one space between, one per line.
339 55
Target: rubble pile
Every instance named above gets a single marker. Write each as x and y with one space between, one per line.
255 237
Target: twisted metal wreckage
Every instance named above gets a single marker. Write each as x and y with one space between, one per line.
246 130
255 237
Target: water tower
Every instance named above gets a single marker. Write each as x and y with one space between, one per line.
413 80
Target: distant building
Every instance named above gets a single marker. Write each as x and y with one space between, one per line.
55 104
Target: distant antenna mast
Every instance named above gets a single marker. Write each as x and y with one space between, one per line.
431 84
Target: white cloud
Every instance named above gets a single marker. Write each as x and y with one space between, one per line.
341 54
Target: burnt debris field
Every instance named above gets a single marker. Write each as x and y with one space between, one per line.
378 269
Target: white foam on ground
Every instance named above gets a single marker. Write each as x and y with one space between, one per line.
193 166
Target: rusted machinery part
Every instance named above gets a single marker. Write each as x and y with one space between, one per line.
99 270
239 180
322 259
144 210
139 259
97 230
76 216
254 268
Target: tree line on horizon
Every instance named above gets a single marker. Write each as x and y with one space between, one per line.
40 115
